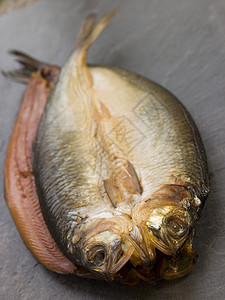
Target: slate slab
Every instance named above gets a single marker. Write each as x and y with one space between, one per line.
179 44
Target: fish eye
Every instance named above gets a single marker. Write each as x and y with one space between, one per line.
176 226
96 256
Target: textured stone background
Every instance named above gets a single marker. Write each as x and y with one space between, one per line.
8 5
177 43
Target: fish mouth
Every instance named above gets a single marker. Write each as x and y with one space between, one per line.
115 267
137 254
146 252
165 266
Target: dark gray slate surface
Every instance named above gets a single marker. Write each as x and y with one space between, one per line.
177 43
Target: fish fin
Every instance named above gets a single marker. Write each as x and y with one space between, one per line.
104 110
101 112
91 30
28 64
27 61
112 191
21 76
122 184
130 179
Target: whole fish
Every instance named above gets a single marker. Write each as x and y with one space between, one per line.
120 170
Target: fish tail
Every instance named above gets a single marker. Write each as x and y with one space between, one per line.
28 64
91 30
83 81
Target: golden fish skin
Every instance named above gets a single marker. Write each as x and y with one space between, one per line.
107 200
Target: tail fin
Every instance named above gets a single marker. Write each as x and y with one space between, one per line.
91 30
29 66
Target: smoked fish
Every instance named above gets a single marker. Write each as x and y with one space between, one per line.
115 166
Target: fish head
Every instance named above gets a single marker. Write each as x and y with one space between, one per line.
165 220
167 228
106 253
103 249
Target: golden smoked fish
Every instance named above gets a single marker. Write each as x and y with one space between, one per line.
119 168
